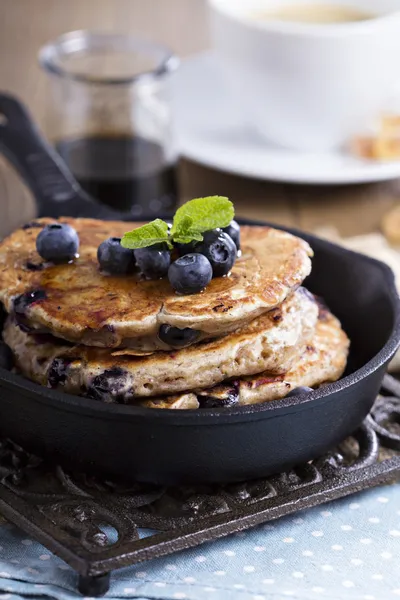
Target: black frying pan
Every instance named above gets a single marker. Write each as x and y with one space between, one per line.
56 191
213 445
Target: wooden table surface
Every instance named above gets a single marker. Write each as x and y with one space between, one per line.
25 25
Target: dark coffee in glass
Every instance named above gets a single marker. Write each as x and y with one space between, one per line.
127 173
109 118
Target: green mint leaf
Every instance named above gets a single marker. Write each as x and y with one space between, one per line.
204 213
186 232
147 235
190 221
186 224
189 237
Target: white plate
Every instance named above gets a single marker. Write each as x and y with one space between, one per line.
210 131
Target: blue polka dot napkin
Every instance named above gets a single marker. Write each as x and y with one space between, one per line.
348 549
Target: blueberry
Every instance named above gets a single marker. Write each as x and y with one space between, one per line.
220 250
6 357
189 248
178 338
57 243
115 259
153 261
233 230
303 389
20 305
108 386
219 397
57 374
190 274
22 302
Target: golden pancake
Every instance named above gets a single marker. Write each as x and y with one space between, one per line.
323 360
272 341
82 305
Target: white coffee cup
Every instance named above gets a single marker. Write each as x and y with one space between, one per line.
309 86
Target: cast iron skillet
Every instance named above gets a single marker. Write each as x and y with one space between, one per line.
214 445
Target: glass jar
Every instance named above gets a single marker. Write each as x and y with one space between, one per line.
109 117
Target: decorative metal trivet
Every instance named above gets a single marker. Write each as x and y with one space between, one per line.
97 526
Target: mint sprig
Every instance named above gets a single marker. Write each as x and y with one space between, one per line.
186 231
191 220
155 232
205 214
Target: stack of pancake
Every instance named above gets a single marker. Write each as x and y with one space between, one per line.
259 334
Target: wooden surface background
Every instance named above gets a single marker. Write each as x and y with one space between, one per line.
25 25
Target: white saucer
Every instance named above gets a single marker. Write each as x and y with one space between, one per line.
210 132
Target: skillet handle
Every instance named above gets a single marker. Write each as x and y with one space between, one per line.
56 191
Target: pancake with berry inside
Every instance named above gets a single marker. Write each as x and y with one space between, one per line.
273 341
322 361
74 279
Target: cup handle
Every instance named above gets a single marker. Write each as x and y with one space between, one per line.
56 191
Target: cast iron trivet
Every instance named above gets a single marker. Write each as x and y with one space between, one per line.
95 526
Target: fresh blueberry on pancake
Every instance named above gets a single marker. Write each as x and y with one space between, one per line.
190 274
153 261
57 243
219 248
233 230
115 259
188 248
